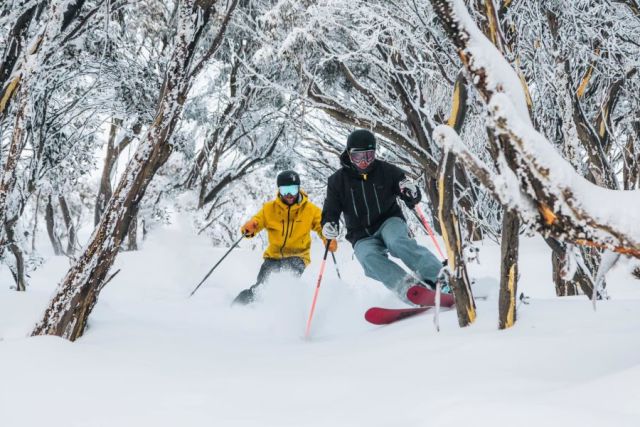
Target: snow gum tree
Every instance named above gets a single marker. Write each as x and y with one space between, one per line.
68 311
534 179
512 116
40 131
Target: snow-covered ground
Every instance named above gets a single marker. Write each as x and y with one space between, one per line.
154 357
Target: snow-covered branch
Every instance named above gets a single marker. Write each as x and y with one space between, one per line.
569 206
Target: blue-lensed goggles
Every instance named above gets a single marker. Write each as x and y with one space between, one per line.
289 190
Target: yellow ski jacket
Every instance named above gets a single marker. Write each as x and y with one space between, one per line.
289 227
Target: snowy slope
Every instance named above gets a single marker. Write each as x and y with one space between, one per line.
154 357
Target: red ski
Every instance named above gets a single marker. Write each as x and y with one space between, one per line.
423 296
384 316
418 295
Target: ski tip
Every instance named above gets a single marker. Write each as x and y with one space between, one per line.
385 316
372 316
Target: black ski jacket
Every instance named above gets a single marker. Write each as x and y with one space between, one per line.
366 200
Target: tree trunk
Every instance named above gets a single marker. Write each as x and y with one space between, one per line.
51 228
35 223
18 273
434 201
132 235
456 121
114 149
508 270
77 294
68 222
9 177
592 259
631 167
452 236
110 158
581 280
563 288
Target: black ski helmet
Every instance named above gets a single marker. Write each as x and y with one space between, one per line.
361 139
288 178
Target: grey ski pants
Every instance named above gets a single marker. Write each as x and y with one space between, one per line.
269 266
393 238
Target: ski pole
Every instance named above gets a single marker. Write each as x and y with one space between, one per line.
336 264
237 242
417 210
315 295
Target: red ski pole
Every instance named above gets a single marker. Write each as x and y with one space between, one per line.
315 295
418 211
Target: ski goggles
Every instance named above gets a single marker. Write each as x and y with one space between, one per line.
362 159
289 190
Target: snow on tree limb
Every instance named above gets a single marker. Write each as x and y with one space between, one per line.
569 206
490 70
503 186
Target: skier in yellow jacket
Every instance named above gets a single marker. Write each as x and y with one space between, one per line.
289 219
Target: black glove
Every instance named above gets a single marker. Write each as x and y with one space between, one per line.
410 193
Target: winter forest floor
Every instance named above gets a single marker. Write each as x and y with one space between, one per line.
154 357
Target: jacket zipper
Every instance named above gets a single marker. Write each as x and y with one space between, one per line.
377 200
286 233
282 228
364 196
353 199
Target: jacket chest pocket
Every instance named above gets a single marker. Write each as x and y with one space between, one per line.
284 224
288 224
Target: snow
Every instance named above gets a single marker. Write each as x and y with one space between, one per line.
153 356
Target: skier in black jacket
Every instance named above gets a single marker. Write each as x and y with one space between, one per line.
364 189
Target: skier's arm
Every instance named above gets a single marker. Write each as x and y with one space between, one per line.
260 219
397 176
317 227
254 225
332 207
316 222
